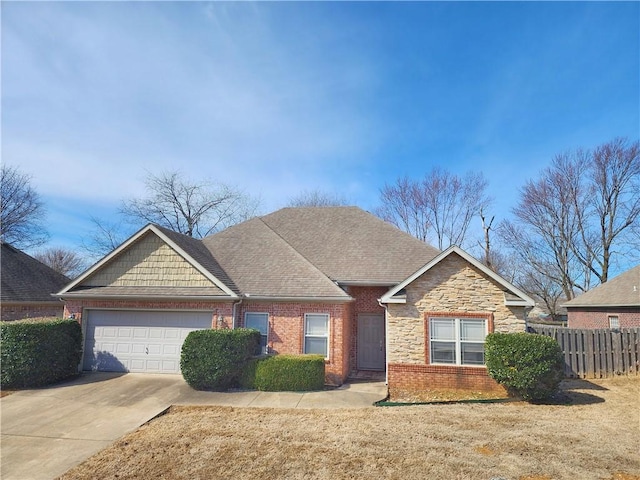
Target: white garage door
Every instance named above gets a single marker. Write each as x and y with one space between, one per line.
139 341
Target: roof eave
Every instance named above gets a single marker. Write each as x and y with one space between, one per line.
393 300
518 303
609 305
278 298
363 283
181 298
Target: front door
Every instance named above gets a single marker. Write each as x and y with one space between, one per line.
371 342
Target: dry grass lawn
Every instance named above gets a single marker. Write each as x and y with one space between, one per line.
597 436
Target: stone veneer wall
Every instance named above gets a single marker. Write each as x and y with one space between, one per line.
453 286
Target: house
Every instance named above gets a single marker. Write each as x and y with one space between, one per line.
27 286
336 281
614 304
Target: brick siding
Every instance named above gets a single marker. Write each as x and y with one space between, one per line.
21 311
286 331
366 301
599 317
406 380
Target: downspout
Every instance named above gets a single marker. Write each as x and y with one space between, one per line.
386 343
233 313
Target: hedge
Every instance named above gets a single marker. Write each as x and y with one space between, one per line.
214 359
528 365
37 354
290 373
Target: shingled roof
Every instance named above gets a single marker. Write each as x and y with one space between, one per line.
262 264
621 291
303 253
349 245
25 279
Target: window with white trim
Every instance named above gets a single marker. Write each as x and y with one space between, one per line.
457 341
260 322
614 321
316 333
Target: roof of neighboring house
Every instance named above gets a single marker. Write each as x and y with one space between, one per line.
350 245
621 291
25 279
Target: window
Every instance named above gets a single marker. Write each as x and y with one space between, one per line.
614 321
316 333
260 322
457 341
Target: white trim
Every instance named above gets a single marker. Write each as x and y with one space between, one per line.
136 236
263 298
328 336
526 300
181 298
457 340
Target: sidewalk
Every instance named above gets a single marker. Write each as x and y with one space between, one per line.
350 395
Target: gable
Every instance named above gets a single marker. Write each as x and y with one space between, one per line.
148 262
460 270
455 285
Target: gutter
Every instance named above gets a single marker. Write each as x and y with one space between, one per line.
262 298
386 342
182 298
233 313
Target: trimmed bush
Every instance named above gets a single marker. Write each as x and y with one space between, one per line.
295 373
528 365
214 359
247 378
34 354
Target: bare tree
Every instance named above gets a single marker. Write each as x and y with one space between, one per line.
105 238
22 211
317 198
578 216
439 208
66 262
486 228
612 205
194 208
546 227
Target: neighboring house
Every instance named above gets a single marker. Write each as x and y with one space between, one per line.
614 304
336 281
27 286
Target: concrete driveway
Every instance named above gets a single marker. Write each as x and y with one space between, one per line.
47 431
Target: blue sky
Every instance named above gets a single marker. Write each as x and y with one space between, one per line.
276 98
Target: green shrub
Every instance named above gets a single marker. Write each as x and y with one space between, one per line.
34 354
247 378
290 373
214 359
528 365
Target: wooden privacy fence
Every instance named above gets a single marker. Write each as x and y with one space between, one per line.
596 353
